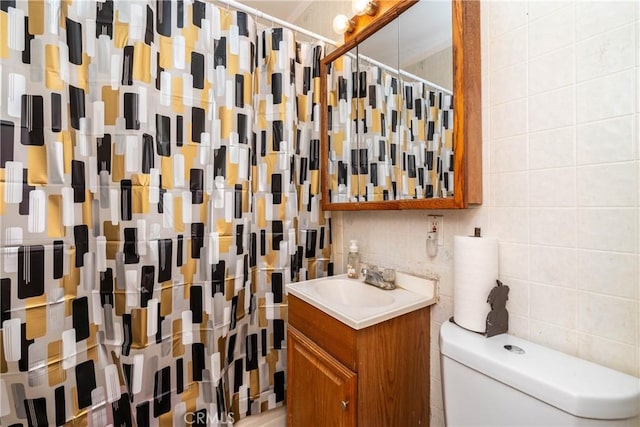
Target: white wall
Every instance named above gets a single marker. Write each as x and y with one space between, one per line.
313 15
561 172
437 68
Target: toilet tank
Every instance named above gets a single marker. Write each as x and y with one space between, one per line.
508 381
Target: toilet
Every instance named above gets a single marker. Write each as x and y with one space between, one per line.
507 381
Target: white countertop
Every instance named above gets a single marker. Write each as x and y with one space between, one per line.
411 293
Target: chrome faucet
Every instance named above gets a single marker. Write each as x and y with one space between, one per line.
385 279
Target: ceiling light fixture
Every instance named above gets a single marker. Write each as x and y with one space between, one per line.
342 24
364 7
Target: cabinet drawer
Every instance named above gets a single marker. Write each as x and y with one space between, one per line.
334 337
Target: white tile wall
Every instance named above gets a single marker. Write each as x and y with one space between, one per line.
508 48
595 17
611 317
554 148
608 229
562 61
514 261
606 97
503 19
554 304
551 110
518 303
607 352
561 131
552 187
605 53
509 154
510 224
606 141
619 188
608 273
550 32
510 189
520 326
508 84
553 265
508 119
538 9
553 336
553 226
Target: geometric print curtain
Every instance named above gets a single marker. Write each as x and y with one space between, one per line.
342 120
159 187
427 145
389 139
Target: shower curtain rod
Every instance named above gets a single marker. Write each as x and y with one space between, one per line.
259 14
405 74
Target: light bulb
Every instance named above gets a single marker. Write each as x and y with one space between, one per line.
361 7
342 24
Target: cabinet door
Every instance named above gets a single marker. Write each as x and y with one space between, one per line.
320 390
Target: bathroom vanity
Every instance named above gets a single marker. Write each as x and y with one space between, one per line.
349 366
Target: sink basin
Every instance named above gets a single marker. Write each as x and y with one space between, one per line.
353 293
359 305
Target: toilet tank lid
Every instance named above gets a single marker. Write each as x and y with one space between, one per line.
581 388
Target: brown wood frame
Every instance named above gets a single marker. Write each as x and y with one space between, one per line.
467 106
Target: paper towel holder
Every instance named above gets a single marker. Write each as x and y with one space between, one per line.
498 318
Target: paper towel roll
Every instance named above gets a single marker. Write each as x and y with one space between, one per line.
475 270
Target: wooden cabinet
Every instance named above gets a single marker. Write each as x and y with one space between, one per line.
331 400
339 376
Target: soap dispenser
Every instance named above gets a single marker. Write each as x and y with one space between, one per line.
353 260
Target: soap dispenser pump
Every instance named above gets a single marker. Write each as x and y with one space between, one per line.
353 260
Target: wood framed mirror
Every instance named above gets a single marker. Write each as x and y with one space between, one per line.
393 137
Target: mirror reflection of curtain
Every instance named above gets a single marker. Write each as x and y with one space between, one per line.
159 165
379 134
402 147
341 120
427 148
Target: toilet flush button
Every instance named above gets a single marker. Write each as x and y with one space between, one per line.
514 349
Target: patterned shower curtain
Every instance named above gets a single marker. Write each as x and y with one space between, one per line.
159 187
